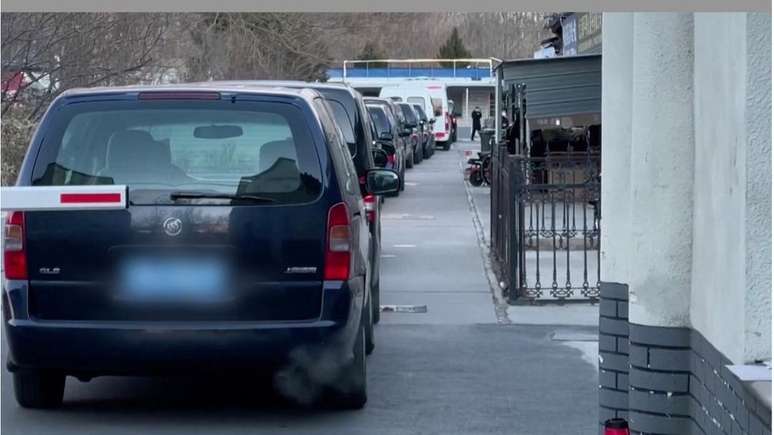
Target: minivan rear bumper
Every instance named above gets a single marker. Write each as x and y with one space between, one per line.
114 348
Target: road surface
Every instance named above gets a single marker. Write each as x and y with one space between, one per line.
461 367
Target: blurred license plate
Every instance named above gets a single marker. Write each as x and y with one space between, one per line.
172 280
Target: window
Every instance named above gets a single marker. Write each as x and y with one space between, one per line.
416 100
437 106
258 149
343 120
380 120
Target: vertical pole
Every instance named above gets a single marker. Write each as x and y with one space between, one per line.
498 91
467 105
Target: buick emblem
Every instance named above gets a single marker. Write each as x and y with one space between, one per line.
172 226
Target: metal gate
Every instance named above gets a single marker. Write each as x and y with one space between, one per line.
546 225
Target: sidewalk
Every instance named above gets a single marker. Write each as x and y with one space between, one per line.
575 313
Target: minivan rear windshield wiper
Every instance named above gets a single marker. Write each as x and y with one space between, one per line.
212 195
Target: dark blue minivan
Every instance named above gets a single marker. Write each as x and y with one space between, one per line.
244 243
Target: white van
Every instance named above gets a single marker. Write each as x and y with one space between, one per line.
431 95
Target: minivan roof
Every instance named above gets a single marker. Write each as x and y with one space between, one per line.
284 84
304 93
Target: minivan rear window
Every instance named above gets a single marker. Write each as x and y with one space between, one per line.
416 100
379 117
345 123
248 149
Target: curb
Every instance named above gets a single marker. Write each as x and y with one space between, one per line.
501 307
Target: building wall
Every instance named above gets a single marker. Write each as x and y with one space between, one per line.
758 209
661 176
720 180
691 217
617 98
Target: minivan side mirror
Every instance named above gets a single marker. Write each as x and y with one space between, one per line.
385 135
382 181
431 120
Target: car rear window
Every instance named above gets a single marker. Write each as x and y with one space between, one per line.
246 149
416 100
409 114
344 121
380 119
421 112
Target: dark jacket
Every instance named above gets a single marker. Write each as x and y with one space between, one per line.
476 115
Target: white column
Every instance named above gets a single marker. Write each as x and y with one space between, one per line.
661 174
617 38
758 188
466 115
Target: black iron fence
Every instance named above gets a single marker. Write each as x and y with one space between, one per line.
545 217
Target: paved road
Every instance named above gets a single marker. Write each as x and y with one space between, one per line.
451 370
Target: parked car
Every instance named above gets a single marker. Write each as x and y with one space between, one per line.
350 113
433 97
426 129
402 136
243 240
411 127
386 133
453 115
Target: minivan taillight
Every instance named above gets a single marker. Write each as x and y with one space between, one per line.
338 247
14 252
446 118
370 207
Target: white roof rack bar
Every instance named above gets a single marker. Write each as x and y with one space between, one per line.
40 198
490 62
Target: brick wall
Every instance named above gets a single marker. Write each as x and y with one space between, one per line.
669 380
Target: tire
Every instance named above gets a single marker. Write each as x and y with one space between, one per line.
375 304
370 342
446 145
39 390
476 179
403 180
418 156
410 161
486 170
351 391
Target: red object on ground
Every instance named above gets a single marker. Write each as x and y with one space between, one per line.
616 426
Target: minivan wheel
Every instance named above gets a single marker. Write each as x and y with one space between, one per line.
417 156
376 309
447 145
370 343
38 389
351 392
410 161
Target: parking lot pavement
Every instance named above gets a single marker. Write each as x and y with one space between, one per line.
451 370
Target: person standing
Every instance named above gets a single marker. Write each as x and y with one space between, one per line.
476 116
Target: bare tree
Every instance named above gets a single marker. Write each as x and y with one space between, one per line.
74 50
257 46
